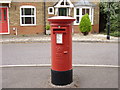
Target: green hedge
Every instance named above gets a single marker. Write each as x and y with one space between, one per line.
114 17
115 34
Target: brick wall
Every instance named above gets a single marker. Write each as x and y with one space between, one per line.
14 13
49 4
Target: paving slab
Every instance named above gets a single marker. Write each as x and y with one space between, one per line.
39 77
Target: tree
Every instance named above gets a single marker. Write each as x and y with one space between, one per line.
114 15
85 24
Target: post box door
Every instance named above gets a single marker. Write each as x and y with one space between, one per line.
62 54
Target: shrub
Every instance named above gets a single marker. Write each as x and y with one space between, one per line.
115 34
47 27
85 24
114 15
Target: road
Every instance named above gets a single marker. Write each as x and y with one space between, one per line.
39 53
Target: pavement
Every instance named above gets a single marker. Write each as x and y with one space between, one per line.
47 38
40 77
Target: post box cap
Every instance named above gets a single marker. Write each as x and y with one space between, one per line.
61 17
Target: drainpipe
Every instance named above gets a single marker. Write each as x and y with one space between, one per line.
44 16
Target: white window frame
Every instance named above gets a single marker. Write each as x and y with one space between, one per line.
27 6
49 10
91 14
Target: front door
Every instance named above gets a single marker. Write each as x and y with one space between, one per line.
4 20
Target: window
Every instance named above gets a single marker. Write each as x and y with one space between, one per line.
85 11
62 11
63 8
62 3
67 3
77 15
50 10
77 20
79 12
27 15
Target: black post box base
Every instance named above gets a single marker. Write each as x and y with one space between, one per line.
61 77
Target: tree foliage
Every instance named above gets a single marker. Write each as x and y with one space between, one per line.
114 14
85 24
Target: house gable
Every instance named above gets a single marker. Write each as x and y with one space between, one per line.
64 3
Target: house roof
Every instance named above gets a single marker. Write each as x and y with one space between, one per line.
56 3
84 3
5 1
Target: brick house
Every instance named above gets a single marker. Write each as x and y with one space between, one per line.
30 16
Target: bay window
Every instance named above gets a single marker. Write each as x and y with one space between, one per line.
81 11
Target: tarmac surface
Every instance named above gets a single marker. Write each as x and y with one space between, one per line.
40 53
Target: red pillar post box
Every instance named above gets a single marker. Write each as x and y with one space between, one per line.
61 49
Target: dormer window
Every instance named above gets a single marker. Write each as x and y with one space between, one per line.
63 8
63 12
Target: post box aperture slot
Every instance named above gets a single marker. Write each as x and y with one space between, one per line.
58 29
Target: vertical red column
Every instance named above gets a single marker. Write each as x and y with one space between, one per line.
61 49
